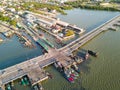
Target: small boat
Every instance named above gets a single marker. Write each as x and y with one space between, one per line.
75 67
92 53
74 72
77 59
56 65
40 86
23 82
86 56
49 75
59 66
8 87
37 87
26 80
68 77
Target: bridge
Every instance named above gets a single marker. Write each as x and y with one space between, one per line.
38 63
69 48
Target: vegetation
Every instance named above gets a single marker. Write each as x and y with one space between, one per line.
95 6
33 6
7 19
116 1
69 33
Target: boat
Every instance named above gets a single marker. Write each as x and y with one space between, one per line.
37 87
56 65
26 80
8 87
59 66
68 76
86 56
92 53
65 72
49 75
40 86
23 82
75 67
74 73
1 40
77 59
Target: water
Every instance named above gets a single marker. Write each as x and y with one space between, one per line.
12 52
87 19
101 73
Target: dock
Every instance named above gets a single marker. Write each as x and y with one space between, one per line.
37 75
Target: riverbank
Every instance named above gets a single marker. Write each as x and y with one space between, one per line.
94 5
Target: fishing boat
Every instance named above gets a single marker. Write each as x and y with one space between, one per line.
8 87
86 56
26 80
92 53
78 59
73 72
68 76
37 87
23 82
59 66
49 75
75 67
40 86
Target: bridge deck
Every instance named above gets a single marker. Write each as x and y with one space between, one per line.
85 38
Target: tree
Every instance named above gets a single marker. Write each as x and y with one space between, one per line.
69 33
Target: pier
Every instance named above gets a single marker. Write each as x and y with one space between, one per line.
33 68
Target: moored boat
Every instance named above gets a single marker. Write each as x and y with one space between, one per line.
68 76
75 67
23 82
8 87
38 86
92 53
86 56
35 87
74 73
26 80
59 66
77 59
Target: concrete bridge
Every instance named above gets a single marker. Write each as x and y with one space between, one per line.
69 48
38 63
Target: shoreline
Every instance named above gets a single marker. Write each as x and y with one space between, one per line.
89 6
